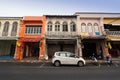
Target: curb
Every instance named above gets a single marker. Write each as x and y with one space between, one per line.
49 61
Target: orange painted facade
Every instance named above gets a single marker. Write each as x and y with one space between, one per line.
27 42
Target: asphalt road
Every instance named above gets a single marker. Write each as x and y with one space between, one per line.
45 71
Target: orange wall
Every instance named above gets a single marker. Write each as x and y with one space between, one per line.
32 20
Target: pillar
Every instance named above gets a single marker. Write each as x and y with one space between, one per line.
105 49
19 51
46 55
79 48
42 49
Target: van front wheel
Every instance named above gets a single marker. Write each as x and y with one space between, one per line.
57 63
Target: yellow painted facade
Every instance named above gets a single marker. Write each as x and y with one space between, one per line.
111 21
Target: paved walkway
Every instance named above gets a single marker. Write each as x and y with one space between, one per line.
114 60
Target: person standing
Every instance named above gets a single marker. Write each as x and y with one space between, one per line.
109 59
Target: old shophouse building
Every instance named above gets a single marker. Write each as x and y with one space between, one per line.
31 44
9 34
39 37
91 28
99 33
112 29
61 34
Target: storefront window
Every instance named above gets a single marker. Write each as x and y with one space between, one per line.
90 28
57 26
96 27
65 26
73 26
83 27
49 26
33 29
0 25
14 29
6 28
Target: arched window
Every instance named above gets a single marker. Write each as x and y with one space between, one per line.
90 30
83 27
73 26
14 28
96 27
57 26
65 26
49 26
0 25
6 28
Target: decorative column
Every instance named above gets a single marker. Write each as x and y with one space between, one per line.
1 28
42 49
79 46
18 51
45 54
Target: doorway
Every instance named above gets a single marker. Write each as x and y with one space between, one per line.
12 50
89 49
31 50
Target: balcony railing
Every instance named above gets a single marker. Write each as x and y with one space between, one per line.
61 34
113 33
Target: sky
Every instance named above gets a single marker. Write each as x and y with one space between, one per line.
19 8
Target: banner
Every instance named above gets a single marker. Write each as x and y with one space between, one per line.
109 45
18 43
84 34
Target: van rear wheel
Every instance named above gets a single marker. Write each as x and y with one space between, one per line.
57 63
80 64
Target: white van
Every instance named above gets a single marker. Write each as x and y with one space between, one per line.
67 58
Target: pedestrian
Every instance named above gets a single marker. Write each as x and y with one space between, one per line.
95 60
109 59
100 54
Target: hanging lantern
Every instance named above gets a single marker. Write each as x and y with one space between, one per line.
18 43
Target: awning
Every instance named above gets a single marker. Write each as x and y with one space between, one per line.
61 40
30 40
95 38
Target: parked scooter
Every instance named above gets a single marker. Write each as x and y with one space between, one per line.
95 61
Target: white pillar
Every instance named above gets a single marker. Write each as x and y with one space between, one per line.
45 54
1 29
101 26
79 48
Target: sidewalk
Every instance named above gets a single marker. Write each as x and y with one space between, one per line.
114 60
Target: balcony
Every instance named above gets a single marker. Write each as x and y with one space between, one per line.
60 35
113 35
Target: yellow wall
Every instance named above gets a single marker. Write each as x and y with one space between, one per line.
111 21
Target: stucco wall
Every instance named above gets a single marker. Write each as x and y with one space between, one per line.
92 21
10 20
61 20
